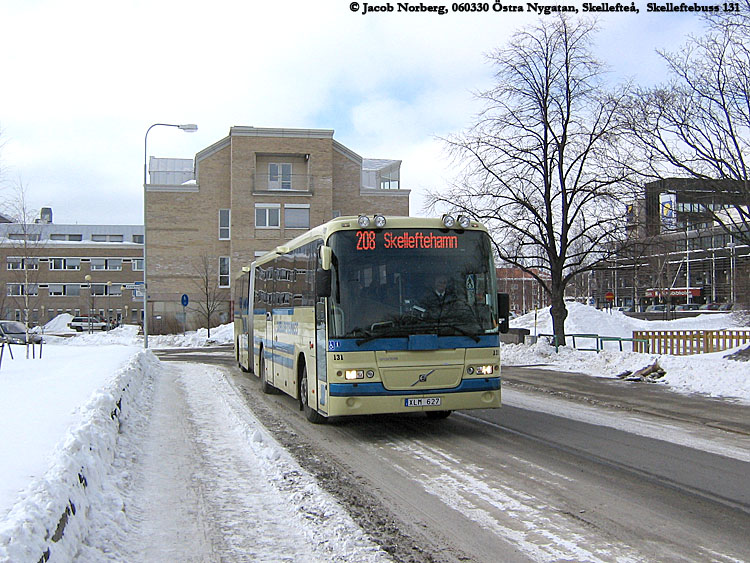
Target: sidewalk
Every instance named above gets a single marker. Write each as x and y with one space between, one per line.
650 398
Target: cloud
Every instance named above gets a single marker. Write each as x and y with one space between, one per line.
87 78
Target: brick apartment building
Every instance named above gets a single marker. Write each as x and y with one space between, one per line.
47 269
525 291
242 196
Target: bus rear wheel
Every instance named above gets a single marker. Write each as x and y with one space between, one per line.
310 413
438 415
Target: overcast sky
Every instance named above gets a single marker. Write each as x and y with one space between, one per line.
83 80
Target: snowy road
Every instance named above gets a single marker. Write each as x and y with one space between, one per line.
208 484
470 489
206 481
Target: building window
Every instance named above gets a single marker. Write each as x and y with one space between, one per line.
16 263
107 238
223 271
267 215
18 289
64 263
98 289
224 223
31 237
13 289
137 264
138 239
56 289
66 237
297 216
64 289
112 264
279 176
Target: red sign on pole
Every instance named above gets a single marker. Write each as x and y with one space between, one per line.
609 296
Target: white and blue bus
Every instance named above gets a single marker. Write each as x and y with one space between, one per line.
366 315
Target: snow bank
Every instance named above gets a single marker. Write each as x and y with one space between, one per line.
59 325
584 319
50 519
710 374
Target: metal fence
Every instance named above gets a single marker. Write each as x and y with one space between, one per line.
688 342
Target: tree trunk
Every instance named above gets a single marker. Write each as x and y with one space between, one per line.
559 314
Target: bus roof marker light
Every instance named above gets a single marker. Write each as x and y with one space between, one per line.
464 222
449 221
363 221
326 256
379 221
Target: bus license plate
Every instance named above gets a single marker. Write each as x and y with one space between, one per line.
424 402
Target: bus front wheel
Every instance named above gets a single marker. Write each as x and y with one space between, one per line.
310 413
438 415
265 386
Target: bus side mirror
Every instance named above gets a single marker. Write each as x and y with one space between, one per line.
503 311
322 283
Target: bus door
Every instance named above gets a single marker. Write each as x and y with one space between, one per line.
268 352
269 340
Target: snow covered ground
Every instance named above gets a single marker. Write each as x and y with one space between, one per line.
72 437
66 416
711 374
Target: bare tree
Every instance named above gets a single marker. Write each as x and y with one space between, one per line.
698 125
212 298
26 243
543 167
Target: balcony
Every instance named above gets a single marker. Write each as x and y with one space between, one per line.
291 184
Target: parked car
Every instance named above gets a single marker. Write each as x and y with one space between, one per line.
93 322
688 307
14 332
710 307
659 308
726 306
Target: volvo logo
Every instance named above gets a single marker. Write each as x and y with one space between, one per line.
422 377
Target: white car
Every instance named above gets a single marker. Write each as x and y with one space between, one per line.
87 323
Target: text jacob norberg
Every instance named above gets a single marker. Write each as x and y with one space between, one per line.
403 7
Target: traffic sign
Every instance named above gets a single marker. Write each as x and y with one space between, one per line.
136 286
185 300
609 296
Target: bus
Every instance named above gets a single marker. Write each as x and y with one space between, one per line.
349 319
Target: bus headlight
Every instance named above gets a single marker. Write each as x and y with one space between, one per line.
363 221
354 374
481 370
379 221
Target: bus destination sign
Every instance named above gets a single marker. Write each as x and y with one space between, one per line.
369 240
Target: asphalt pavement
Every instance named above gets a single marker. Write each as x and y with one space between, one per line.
638 397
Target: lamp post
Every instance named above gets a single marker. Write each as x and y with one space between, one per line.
731 246
189 128
87 277
109 291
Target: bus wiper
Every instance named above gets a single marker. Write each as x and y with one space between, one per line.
358 330
474 337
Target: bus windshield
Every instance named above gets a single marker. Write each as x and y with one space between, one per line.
397 282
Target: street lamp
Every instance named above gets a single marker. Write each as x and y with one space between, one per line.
109 291
87 277
731 245
188 128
